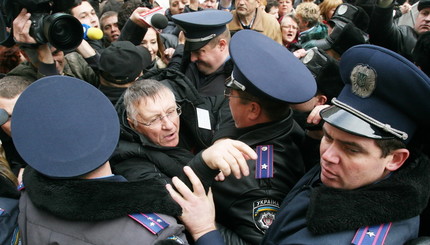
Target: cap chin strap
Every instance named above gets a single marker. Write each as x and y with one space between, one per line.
202 39
233 83
386 127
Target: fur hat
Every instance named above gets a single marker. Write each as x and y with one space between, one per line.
347 13
326 72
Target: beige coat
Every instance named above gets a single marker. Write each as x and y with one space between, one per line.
263 23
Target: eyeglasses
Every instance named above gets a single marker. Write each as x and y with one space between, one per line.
170 114
227 94
4 116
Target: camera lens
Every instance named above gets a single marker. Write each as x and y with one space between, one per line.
63 31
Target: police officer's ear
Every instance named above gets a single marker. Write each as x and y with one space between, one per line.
254 111
396 159
223 44
321 99
131 123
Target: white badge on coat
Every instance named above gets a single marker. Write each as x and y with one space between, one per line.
203 119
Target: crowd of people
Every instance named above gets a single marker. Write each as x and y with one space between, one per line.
237 122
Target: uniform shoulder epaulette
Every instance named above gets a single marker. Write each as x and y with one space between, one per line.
151 221
264 162
371 235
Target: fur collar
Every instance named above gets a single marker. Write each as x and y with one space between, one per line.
401 196
96 200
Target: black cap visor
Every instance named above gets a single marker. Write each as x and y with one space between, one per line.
352 124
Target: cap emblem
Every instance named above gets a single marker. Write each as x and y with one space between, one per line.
363 80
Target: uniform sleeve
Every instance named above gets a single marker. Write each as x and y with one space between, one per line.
212 238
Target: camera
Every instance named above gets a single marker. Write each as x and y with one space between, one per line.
49 24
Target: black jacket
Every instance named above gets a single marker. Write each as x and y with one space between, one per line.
384 32
248 206
137 158
315 214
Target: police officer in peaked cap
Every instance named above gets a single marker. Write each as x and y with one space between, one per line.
206 60
371 185
265 80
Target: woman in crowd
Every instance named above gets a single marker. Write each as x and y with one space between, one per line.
290 32
9 197
327 8
285 7
160 56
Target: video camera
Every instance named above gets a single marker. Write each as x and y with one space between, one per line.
61 30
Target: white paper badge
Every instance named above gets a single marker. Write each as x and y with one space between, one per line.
203 119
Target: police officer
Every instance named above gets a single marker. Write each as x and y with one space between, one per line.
206 61
260 105
370 186
66 130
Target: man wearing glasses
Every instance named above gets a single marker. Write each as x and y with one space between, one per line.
161 133
156 137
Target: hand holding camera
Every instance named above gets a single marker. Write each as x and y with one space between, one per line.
21 28
45 24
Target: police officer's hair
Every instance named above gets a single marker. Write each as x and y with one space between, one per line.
11 86
225 35
389 145
140 89
274 110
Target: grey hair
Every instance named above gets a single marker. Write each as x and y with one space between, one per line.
11 86
140 89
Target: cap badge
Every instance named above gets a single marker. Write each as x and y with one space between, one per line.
342 9
363 80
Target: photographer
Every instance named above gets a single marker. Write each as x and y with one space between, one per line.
45 59
76 64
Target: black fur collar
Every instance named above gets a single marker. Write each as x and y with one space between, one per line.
96 200
401 196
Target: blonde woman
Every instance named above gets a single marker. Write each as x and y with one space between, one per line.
327 8
9 196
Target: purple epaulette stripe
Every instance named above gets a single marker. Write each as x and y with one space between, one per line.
151 221
264 163
373 235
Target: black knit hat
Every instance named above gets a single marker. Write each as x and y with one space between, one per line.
122 62
423 4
